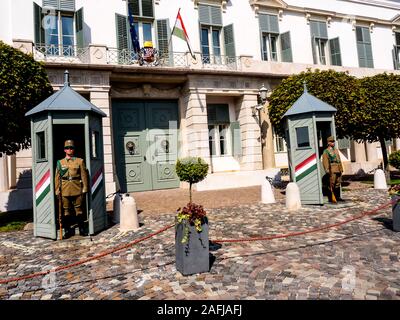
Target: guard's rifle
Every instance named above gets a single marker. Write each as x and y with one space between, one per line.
60 202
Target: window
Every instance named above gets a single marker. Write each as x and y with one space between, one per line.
364 47
334 48
269 47
319 40
211 53
286 47
141 8
396 51
279 143
40 146
303 140
58 28
144 31
218 129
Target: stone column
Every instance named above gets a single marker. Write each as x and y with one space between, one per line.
357 152
12 171
98 54
371 151
26 46
251 135
268 153
3 173
101 100
194 63
197 126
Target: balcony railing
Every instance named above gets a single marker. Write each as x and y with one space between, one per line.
60 53
219 62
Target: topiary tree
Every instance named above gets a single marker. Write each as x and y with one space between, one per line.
339 89
379 111
23 85
191 170
394 159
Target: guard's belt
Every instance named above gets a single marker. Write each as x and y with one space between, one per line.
71 178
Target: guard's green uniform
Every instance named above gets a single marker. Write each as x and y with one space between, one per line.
74 183
334 168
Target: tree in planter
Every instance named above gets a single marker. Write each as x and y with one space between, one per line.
23 85
335 88
191 170
379 111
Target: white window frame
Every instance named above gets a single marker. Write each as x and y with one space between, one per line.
216 137
140 32
212 55
317 48
269 46
276 139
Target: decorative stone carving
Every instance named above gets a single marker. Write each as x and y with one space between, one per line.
145 91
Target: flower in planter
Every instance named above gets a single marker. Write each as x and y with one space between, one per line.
192 214
394 190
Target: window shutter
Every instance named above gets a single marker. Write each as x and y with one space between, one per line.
334 48
134 7
147 8
39 31
51 4
80 40
268 23
314 51
163 34
395 54
217 113
229 41
286 47
364 48
122 31
67 5
343 143
319 29
210 15
236 139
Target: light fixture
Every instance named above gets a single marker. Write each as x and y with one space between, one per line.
262 93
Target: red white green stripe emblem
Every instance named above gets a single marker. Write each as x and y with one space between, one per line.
42 188
96 182
304 168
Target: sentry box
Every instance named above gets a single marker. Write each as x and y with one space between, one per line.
66 115
308 124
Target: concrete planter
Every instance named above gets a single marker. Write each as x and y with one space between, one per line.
396 212
193 256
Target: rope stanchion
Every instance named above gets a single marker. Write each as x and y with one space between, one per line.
294 234
80 262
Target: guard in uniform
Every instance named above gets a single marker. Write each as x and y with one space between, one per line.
74 185
333 169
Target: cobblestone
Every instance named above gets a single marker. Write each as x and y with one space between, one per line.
359 260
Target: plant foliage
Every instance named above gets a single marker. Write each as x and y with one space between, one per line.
394 159
23 85
192 214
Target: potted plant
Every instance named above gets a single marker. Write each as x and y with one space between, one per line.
394 192
191 231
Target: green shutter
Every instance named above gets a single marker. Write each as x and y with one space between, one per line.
217 114
319 29
364 48
163 34
67 5
343 143
229 41
334 48
147 8
134 7
395 55
313 49
37 18
80 40
236 139
51 4
122 31
210 15
268 23
286 47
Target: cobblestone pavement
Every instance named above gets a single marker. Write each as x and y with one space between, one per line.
359 260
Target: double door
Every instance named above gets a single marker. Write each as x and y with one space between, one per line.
146 144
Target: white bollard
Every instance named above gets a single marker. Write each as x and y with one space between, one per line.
380 180
129 216
267 194
293 201
117 207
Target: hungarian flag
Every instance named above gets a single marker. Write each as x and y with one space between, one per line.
180 31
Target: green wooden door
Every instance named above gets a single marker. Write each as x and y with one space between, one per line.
145 147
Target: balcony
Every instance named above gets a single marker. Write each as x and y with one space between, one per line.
103 55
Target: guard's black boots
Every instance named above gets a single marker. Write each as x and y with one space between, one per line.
69 231
81 225
337 195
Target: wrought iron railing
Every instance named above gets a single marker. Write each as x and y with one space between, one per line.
219 62
129 57
61 53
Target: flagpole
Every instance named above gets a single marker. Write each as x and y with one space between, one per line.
172 32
